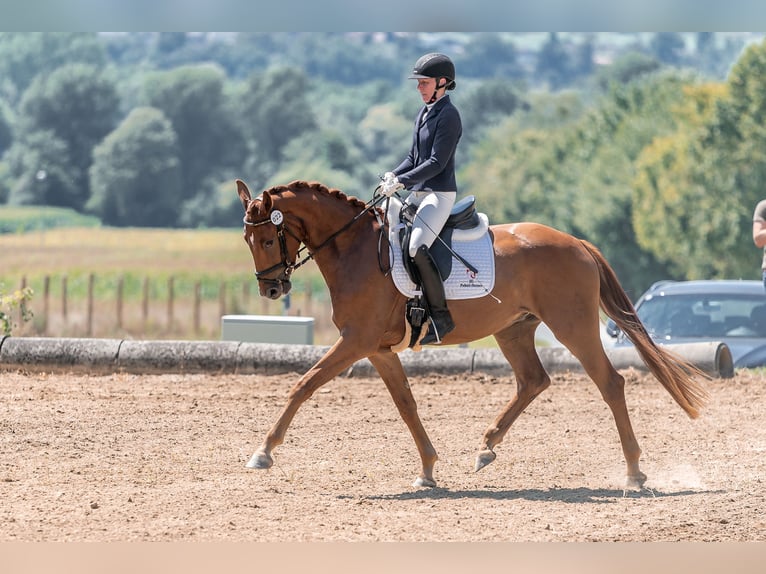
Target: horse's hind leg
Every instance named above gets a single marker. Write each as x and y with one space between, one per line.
390 369
586 346
517 344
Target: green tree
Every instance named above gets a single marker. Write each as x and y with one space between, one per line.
383 136
673 216
583 61
488 55
44 176
136 174
578 176
275 109
25 55
486 105
78 106
553 66
325 157
6 130
210 143
626 68
728 169
350 59
605 148
668 47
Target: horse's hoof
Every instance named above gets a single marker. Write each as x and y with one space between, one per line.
635 482
421 482
260 460
484 458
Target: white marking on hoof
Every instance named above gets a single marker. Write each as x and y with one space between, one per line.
421 482
260 460
484 458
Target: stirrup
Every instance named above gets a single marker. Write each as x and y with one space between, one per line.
433 336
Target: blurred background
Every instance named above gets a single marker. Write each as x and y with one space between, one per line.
118 154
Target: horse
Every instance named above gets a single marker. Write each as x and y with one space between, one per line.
542 274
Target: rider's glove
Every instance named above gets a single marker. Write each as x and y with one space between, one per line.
390 185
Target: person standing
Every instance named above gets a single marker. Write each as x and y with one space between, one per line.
759 234
428 172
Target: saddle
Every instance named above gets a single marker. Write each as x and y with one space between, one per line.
462 216
463 254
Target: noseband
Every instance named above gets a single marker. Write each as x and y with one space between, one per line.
277 218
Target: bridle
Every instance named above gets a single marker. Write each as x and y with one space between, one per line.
277 218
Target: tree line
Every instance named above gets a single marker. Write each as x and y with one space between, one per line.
650 149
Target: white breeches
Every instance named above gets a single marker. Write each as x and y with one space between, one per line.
433 210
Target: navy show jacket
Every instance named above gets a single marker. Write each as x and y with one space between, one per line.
430 164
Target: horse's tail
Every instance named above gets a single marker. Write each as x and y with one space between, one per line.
676 374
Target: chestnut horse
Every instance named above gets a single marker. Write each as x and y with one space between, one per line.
541 275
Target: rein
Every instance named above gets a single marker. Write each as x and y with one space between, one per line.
277 219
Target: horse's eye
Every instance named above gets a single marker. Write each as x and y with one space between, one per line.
268 243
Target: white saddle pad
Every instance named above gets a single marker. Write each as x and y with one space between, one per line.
462 282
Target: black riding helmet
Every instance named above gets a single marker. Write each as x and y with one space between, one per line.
437 66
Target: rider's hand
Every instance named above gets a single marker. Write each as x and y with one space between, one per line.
389 176
390 186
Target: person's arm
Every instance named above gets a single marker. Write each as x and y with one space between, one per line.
445 142
759 232
759 224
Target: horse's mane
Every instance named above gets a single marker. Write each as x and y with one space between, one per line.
316 187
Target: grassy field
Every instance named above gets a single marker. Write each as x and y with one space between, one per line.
18 219
216 259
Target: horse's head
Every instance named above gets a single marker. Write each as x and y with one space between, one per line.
272 245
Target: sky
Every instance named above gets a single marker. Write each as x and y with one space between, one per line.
390 15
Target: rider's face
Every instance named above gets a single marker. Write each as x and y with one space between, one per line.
426 87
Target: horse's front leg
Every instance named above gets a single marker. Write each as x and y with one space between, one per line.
390 369
341 356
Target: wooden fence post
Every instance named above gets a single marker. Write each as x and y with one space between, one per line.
120 295
222 299
63 298
89 319
21 305
197 303
171 296
145 303
46 302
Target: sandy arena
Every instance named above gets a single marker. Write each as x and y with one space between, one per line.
161 458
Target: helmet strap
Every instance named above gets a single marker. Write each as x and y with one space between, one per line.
438 87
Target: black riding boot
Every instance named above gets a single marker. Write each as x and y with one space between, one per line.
433 288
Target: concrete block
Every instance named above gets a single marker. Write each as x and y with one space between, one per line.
151 357
210 356
437 361
55 354
273 359
268 329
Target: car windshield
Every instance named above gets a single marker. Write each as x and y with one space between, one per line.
704 315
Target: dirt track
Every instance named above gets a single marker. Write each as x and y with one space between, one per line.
128 457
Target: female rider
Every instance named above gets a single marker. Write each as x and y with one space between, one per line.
428 172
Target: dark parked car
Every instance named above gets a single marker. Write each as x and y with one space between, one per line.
733 312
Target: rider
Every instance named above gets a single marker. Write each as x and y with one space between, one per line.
428 172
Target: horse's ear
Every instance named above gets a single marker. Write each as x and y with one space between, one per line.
266 202
244 193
